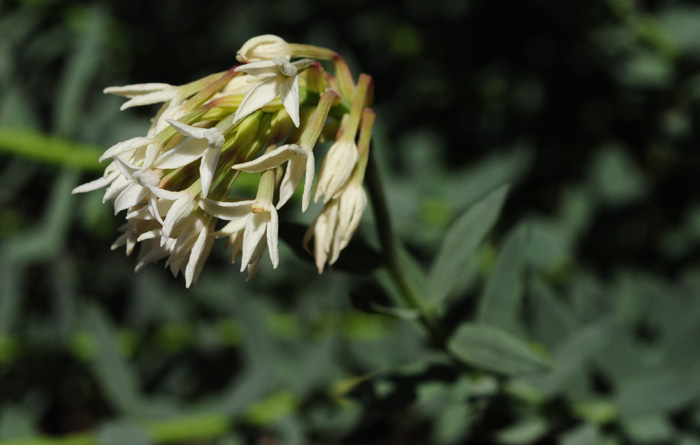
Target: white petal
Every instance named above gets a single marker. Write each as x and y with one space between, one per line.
263 68
125 168
129 197
309 181
207 168
272 159
188 130
257 256
136 89
115 188
187 151
144 213
227 210
152 152
151 255
180 209
150 98
122 147
94 185
360 206
292 178
336 168
255 228
120 242
272 242
235 241
289 94
259 95
168 195
151 234
231 228
194 265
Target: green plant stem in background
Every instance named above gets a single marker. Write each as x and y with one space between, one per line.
33 145
194 427
411 296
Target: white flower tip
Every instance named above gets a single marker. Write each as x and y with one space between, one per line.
264 47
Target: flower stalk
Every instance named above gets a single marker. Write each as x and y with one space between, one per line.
410 295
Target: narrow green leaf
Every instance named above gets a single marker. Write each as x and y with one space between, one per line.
572 358
494 350
461 242
47 238
31 145
553 320
117 379
501 300
75 82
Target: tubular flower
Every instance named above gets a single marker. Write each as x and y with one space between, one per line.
340 218
277 77
264 116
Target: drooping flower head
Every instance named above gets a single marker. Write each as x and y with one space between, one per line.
175 183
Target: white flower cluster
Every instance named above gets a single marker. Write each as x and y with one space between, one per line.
175 183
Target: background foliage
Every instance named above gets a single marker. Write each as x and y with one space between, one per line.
588 110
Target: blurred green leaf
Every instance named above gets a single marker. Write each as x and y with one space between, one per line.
121 432
10 292
656 392
524 432
501 300
645 69
494 350
553 321
615 176
48 149
581 435
572 358
680 23
15 423
453 423
651 429
117 378
461 242
273 408
79 71
46 239
17 110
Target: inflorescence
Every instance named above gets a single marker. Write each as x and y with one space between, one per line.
263 116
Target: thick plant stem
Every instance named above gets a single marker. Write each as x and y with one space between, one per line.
411 296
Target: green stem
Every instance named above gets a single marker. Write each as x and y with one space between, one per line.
196 427
411 297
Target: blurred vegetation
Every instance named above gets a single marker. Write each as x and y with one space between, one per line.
587 263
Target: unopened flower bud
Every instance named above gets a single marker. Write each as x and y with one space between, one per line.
265 47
